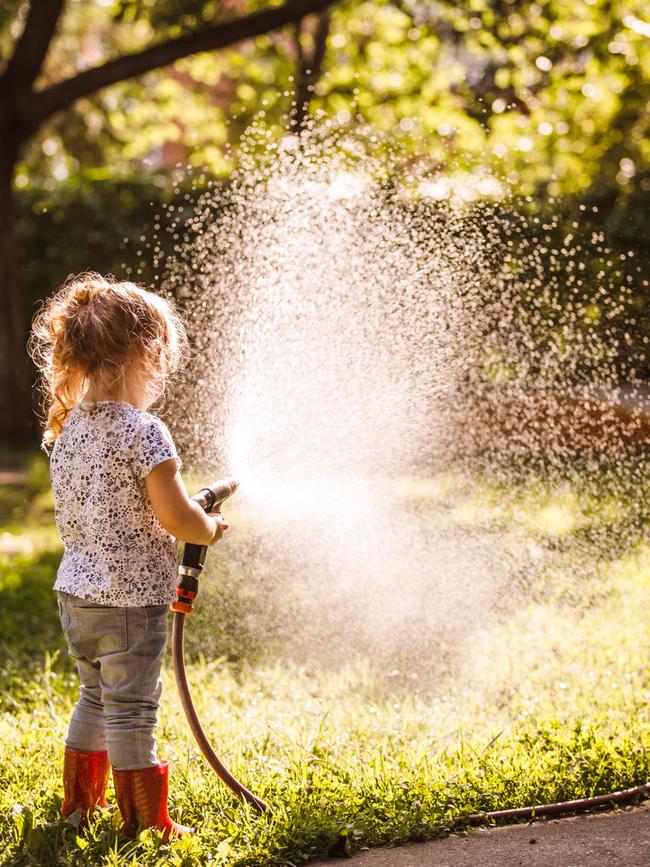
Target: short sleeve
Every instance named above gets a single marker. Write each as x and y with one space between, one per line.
153 446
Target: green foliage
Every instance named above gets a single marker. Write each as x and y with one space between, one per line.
551 96
91 222
171 15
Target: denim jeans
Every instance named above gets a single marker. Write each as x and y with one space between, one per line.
119 654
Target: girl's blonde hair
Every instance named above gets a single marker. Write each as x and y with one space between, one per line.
98 330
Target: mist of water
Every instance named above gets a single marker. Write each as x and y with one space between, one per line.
362 356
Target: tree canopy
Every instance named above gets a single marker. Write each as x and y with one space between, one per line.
552 96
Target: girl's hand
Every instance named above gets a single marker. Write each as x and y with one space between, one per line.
220 526
181 516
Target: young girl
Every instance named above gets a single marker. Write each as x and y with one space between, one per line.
105 349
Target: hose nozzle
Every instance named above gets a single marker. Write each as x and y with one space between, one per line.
212 496
209 499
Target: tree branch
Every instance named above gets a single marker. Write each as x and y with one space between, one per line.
32 46
40 105
309 71
300 54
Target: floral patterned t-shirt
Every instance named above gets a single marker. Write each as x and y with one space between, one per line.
116 552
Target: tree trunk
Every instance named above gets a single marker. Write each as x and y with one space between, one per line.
310 67
17 423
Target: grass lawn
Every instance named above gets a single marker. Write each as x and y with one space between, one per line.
557 707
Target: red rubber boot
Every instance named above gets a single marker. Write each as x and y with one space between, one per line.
85 775
142 798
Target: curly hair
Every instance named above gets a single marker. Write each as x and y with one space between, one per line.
97 331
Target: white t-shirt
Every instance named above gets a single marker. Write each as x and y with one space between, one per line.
116 551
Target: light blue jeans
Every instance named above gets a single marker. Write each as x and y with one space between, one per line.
119 654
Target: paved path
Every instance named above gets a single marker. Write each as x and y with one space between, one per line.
618 839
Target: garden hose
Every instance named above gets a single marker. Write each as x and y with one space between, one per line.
562 807
210 499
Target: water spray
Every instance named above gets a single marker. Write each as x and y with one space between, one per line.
405 338
210 499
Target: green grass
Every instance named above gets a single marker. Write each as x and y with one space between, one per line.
551 705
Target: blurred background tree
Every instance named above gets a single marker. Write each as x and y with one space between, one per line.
549 100
38 84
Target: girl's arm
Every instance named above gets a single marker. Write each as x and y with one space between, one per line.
176 511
